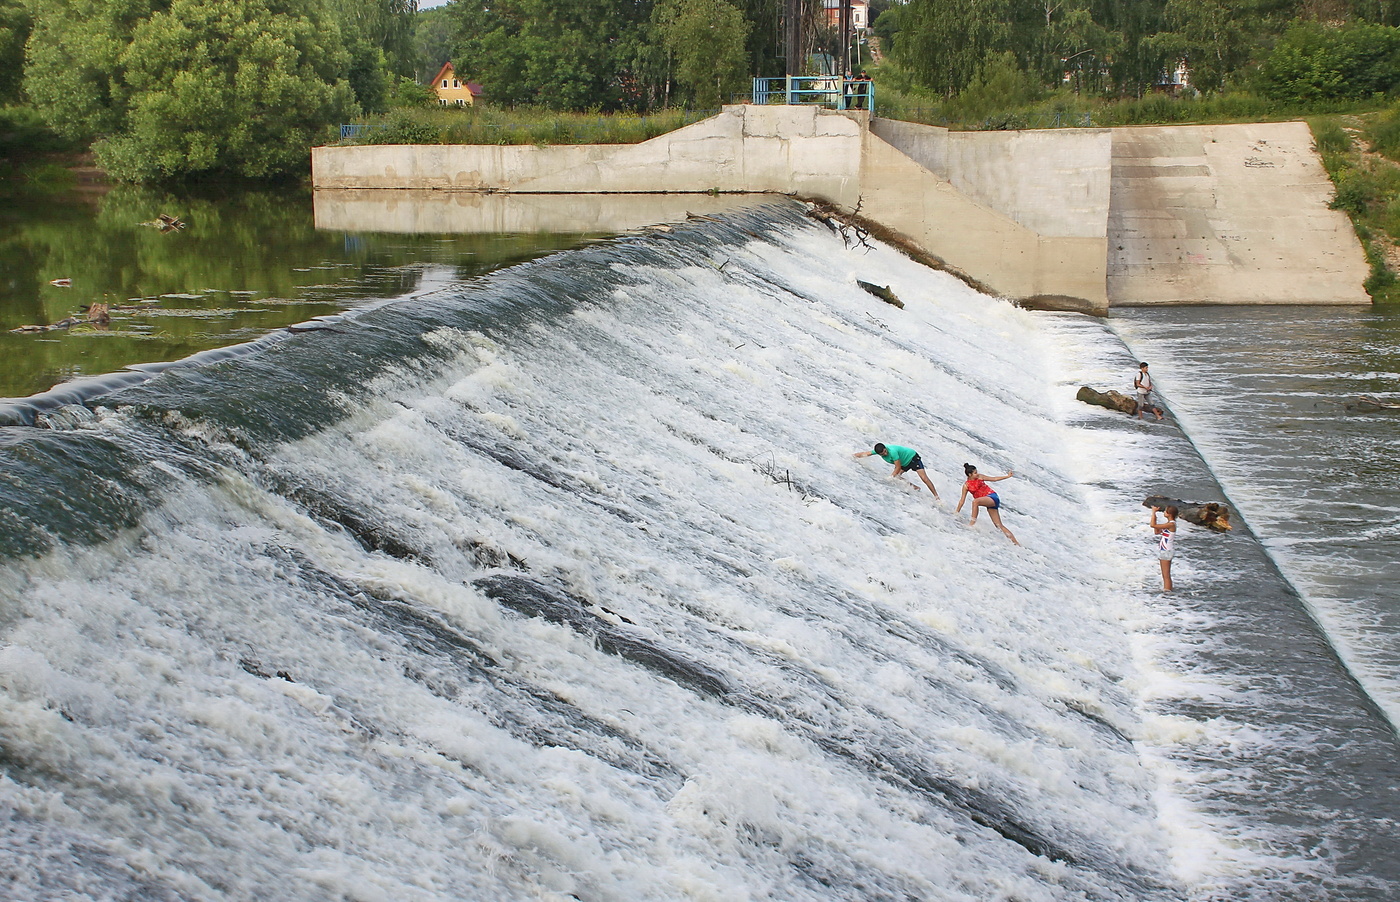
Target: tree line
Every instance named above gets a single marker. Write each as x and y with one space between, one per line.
1288 49
176 88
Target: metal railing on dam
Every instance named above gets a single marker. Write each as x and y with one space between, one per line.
831 91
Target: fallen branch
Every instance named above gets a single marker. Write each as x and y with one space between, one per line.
1366 402
97 314
849 226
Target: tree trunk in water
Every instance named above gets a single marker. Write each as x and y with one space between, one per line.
1210 514
1111 399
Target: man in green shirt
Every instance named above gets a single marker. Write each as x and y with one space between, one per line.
904 460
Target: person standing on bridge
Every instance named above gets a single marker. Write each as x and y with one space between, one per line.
904 460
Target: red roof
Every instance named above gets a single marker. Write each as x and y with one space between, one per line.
472 86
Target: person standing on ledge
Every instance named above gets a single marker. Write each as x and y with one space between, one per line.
1142 384
983 496
1166 542
904 460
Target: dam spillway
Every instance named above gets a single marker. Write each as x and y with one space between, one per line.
563 582
1078 219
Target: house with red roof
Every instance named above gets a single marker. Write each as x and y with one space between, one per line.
452 90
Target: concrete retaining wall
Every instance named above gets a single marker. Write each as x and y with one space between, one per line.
1055 183
1074 218
425 211
1227 214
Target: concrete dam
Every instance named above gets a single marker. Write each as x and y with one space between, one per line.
1076 219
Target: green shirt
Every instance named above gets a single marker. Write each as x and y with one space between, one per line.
899 454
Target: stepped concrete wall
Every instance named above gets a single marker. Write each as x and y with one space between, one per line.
1227 214
1069 218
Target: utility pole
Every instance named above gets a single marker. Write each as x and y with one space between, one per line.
844 16
792 35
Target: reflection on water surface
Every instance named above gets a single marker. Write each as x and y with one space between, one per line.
245 263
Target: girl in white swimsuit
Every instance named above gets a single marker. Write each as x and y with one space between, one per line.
1166 542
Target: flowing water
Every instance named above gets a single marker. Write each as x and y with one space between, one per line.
1278 400
562 582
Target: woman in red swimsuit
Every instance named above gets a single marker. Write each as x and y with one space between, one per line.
983 496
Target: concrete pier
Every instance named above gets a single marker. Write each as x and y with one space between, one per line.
1069 218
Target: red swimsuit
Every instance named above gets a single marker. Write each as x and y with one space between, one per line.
979 489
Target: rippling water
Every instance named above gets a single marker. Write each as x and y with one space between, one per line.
562 582
1273 399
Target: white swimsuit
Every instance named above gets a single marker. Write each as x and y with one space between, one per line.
1166 539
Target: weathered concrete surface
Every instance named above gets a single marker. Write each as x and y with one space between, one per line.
1069 218
425 211
464 167
810 152
1053 182
1227 214
986 245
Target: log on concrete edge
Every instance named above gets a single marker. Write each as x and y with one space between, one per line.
1111 399
1210 514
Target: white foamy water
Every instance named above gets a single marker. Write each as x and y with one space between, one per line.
600 606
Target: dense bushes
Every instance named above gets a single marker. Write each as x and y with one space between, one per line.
1367 189
1313 62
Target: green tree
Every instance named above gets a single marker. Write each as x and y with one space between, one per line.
379 36
560 54
1133 64
15 23
238 87
1377 12
1219 38
73 73
432 41
942 43
1207 36
887 26
1317 62
705 39
767 55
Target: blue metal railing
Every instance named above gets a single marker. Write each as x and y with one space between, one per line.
825 90
357 129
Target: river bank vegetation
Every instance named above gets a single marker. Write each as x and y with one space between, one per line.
171 89
179 90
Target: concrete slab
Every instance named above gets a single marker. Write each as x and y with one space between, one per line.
423 211
1171 215
1231 214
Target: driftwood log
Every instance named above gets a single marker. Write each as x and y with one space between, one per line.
97 314
1366 402
1111 399
1210 514
883 294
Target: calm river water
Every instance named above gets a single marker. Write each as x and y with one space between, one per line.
245 263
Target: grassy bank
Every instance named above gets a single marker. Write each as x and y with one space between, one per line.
1010 103
1361 154
485 125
